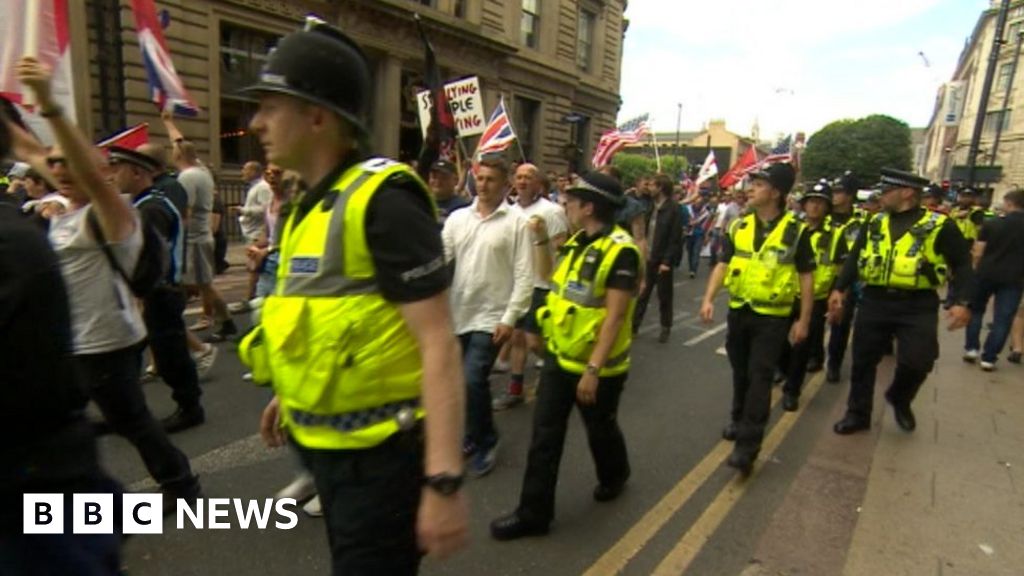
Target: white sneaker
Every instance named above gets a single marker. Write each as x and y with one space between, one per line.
204 360
971 356
312 508
539 363
302 487
988 366
247 377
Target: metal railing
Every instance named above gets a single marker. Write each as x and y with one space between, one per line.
232 192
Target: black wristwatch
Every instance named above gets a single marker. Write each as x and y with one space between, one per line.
444 484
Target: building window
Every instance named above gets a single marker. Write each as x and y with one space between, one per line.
105 22
585 40
1014 30
427 3
992 120
1004 76
243 52
525 113
529 26
460 8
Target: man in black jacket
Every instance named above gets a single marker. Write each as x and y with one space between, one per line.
664 236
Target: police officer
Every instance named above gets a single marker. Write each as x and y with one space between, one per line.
766 264
932 198
903 254
357 338
847 220
586 324
829 247
969 214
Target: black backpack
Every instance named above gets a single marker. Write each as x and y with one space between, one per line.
154 259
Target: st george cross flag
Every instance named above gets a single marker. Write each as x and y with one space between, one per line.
614 140
499 134
708 170
166 89
130 138
746 163
37 28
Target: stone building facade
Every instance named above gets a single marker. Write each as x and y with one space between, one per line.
948 136
556 63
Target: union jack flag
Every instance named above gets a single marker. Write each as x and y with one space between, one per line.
166 88
612 141
499 134
130 138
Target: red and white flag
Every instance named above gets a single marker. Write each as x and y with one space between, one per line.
746 163
130 138
166 89
708 170
614 140
37 28
498 135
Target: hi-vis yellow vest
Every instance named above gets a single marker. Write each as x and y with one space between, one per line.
851 229
910 264
766 280
963 221
344 365
575 309
825 241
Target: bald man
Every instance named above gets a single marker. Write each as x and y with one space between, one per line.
252 216
549 228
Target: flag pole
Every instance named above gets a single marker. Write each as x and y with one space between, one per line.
657 154
31 45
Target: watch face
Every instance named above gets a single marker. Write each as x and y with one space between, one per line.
445 484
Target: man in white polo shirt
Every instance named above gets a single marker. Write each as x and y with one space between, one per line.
549 229
489 246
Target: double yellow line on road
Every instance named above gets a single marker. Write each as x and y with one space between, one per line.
683 553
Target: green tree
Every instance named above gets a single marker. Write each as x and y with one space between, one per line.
864 146
632 166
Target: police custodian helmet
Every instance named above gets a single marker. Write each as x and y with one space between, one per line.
322 65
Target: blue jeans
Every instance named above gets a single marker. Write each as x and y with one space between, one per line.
1007 299
694 244
478 354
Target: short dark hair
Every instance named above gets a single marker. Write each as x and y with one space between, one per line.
495 164
664 184
1015 197
611 171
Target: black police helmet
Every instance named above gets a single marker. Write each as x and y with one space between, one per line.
322 65
821 189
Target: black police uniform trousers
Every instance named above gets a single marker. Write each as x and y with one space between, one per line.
839 336
754 343
799 356
370 498
911 317
162 312
556 396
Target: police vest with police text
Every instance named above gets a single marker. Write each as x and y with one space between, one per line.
911 263
766 280
345 367
575 310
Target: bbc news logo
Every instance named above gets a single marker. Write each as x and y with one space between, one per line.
144 514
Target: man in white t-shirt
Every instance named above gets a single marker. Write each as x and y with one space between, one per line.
107 330
549 229
251 216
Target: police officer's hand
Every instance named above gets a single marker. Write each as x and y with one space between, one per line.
664 268
586 389
442 523
835 307
501 334
958 316
270 424
798 332
707 311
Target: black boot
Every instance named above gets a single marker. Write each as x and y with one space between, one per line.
183 419
851 423
512 526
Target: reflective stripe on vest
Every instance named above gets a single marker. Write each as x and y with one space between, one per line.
575 311
765 279
825 241
909 264
338 355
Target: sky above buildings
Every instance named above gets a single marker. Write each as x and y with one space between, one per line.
793 65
